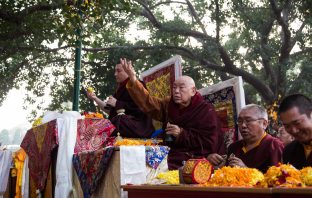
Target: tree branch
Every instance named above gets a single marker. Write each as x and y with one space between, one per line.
18 17
195 15
164 3
286 47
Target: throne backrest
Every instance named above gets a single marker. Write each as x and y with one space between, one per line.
159 79
228 98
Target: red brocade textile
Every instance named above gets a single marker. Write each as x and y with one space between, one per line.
93 134
38 144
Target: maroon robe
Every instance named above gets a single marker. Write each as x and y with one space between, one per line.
267 153
295 155
199 123
135 124
200 130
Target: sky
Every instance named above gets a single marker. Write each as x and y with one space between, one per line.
12 113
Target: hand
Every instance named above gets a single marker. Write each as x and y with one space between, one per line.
127 66
173 129
235 161
111 101
91 95
215 159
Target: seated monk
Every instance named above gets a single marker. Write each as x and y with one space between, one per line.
187 117
134 124
296 115
257 149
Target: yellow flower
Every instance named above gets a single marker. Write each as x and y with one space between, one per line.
171 177
306 175
90 90
37 122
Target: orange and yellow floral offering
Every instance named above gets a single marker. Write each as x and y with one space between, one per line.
235 176
283 175
306 175
170 177
137 142
93 115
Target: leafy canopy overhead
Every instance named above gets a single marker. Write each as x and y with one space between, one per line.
268 43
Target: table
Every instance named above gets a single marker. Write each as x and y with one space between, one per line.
186 191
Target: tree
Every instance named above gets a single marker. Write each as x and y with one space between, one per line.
268 43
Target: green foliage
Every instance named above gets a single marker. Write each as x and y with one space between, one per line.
216 41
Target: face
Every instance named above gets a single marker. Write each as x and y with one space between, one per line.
285 137
120 74
298 125
182 92
251 125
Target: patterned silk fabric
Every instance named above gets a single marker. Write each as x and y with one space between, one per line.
159 84
155 155
93 134
90 167
38 144
224 102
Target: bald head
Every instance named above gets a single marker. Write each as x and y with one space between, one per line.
188 81
183 91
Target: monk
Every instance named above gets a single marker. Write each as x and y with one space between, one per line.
134 124
296 115
285 137
257 149
187 117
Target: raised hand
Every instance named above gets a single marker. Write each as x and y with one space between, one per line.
127 66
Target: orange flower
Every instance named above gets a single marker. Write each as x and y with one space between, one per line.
235 176
136 142
283 175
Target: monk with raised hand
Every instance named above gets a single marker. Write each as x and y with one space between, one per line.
187 117
134 123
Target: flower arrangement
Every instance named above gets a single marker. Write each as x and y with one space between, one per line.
282 175
171 177
136 142
306 175
37 122
235 176
93 115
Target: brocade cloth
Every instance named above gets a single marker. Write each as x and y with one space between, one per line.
38 143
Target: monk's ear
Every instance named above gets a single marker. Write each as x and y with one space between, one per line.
265 124
193 91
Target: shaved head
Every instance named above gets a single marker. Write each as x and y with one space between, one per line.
183 91
189 82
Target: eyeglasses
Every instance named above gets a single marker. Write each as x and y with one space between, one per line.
247 121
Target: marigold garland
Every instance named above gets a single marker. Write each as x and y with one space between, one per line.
283 175
137 142
235 176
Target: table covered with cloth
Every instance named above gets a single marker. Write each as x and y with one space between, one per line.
90 167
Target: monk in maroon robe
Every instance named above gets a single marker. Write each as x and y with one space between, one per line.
191 122
296 115
132 123
257 149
